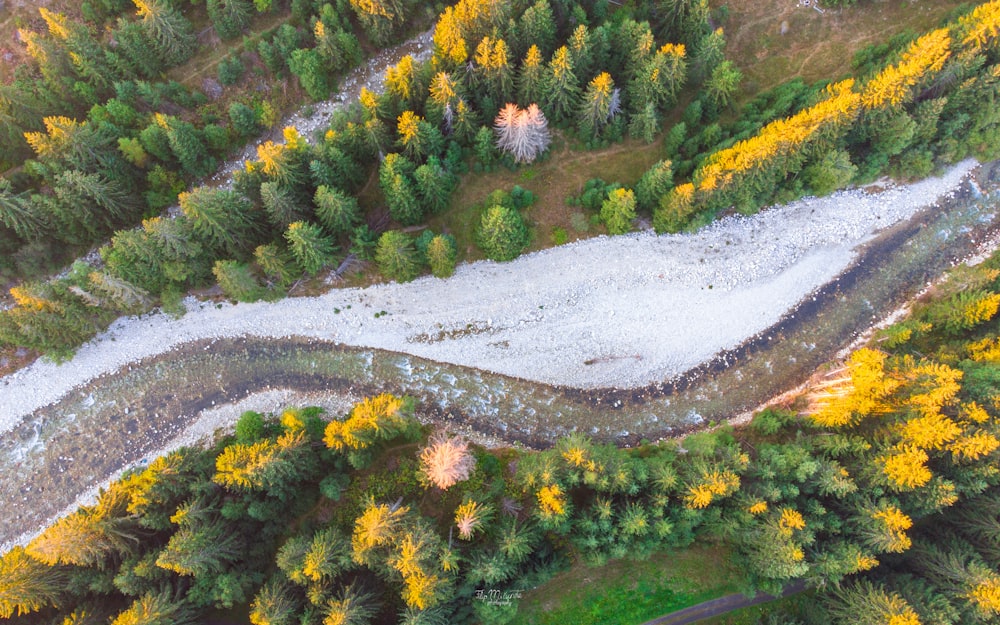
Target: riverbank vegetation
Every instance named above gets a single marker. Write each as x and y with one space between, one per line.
878 488
581 74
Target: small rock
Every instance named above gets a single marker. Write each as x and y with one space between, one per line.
784 26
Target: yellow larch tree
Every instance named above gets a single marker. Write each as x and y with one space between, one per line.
892 86
982 26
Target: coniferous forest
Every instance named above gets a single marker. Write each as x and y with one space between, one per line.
877 490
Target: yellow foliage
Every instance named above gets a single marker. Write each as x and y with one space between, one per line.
715 483
974 412
930 385
986 350
407 126
986 595
468 517
865 563
271 156
932 431
791 519
293 139
291 421
843 402
552 501
420 590
906 617
780 137
376 526
907 468
698 496
240 466
26 298
895 523
893 84
363 424
575 456
56 22
724 483
758 507
58 133
982 25
974 446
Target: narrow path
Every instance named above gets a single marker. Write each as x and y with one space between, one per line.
720 606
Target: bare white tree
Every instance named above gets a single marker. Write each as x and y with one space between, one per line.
446 460
523 133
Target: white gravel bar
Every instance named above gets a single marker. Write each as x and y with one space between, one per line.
639 308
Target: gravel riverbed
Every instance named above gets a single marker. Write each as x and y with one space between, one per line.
617 312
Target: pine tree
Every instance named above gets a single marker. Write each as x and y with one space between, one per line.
396 256
275 604
531 79
536 28
502 233
561 87
229 17
618 211
381 19
19 213
723 83
88 537
158 609
599 105
336 211
328 555
660 77
434 185
281 204
708 55
654 185
396 181
352 606
125 296
201 546
442 255
492 68
403 83
378 526
311 70
171 35
222 217
187 144
237 281
310 247
27 585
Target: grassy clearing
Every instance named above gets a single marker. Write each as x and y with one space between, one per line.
816 45
626 592
561 174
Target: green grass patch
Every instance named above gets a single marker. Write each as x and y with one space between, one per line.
628 592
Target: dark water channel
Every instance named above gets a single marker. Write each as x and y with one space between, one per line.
118 419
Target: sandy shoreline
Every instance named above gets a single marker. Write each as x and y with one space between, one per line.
605 312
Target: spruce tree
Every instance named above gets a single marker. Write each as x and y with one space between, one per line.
310 247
